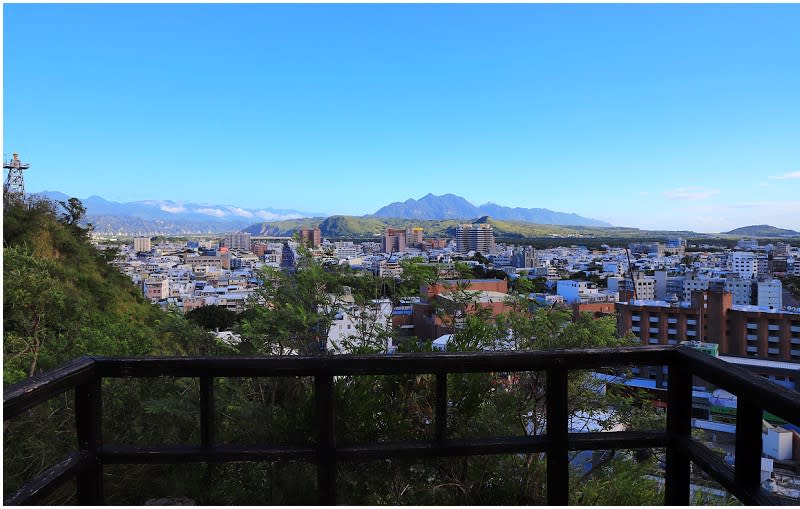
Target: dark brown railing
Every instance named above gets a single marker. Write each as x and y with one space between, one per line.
743 480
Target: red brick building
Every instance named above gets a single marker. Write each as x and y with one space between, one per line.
311 236
488 294
711 317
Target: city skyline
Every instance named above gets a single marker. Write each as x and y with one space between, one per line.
650 116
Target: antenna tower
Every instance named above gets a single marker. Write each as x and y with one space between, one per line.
14 186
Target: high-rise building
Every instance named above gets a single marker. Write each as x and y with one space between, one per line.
312 237
524 257
394 241
414 236
475 237
141 244
238 241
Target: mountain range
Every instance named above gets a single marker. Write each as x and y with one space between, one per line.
438 214
450 206
169 217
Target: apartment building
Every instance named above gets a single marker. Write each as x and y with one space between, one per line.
311 237
645 287
240 241
394 241
346 250
475 237
414 236
712 317
769 294
487 294
744 263
141 244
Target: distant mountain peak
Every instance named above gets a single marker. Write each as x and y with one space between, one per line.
451 206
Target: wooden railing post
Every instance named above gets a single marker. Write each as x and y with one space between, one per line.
557 437
747 468
679 427
206 411
326 439
88 416
440 412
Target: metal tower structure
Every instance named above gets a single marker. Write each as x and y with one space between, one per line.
14 186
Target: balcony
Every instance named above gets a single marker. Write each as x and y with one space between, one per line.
755 395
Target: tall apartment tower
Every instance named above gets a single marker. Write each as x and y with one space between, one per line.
238 241
394 241
141 244
414 236
475 237
312 237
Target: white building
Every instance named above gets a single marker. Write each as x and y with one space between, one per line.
475 237
352 325
141 244
645 286
770 294
347 250
744 263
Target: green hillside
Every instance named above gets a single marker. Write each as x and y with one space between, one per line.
762 230
367 227
61 299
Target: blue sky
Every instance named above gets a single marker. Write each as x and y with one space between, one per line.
652 116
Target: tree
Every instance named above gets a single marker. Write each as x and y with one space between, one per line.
74 211
212 317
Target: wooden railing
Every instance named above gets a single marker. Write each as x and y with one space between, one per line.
86 374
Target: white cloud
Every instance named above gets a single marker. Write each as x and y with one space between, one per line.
271 216
211 212
790 175
172 210
240 212
690 193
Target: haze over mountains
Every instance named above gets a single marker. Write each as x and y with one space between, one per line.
450 206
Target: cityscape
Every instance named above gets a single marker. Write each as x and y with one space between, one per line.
401 254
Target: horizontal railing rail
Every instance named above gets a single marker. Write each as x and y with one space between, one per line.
85 376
